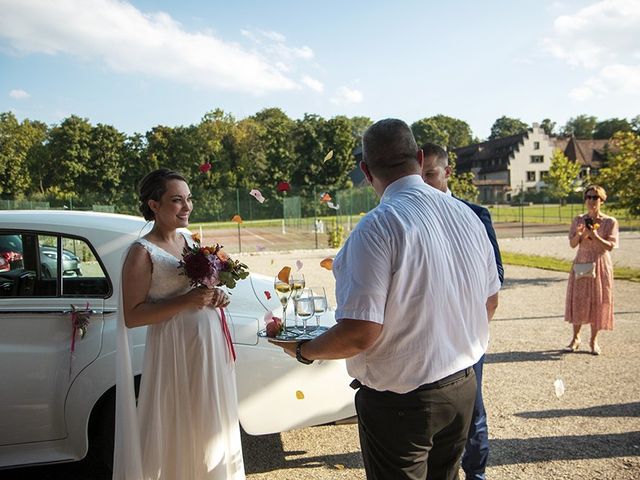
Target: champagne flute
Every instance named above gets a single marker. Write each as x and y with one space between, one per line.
304 309
283 290
296 282
320 303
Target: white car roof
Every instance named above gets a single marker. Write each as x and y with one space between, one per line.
68 221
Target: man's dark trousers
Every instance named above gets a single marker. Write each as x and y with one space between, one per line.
416 435
476 450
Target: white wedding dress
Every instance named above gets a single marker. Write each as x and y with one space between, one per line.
187 419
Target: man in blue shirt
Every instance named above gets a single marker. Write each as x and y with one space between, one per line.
435 172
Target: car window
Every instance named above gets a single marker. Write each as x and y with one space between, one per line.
82 274
29 267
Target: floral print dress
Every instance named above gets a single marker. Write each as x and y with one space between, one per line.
590 300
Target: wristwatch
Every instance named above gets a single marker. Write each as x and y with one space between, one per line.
299 356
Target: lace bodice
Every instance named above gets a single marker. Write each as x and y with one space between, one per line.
166 281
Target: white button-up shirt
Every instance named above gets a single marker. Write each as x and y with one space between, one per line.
421 265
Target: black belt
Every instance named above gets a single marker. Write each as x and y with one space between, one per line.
449 379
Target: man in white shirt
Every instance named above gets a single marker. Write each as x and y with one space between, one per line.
415 285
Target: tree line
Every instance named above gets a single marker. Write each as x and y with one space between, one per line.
97 164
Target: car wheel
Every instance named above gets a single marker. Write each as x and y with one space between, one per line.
102 428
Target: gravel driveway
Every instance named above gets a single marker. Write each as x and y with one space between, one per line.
590 432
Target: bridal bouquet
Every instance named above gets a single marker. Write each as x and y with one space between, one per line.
211 266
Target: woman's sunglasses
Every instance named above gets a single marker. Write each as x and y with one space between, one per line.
591 197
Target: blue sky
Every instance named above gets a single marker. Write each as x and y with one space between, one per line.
135 64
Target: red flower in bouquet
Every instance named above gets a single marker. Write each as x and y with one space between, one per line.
211 266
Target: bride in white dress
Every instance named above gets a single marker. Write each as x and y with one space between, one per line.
185 426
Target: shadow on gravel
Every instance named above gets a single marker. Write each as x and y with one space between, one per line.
510 451
616 410
265 453
507 357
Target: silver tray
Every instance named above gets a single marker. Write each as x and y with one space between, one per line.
292 334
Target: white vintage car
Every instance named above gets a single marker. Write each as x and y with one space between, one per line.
55 406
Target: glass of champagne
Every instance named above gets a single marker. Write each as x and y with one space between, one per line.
297 283
283 290
320 303
304 309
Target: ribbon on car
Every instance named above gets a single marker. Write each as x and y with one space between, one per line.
227 334
79 322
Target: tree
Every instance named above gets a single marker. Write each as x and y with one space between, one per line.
635 124
18 141
359 125
107 155
275 140
562 176
68 157
581 126
506 126
621 176
548 126
442 130
605 129
461 184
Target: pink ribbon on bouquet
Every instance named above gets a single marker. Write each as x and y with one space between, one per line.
227 333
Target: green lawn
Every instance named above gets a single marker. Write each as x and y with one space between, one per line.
559 265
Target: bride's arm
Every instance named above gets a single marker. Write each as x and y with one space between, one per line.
136 281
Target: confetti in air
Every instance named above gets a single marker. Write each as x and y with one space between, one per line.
205 167
328 156
257 195
327 263
283 275
331 205
325 197
559 387
236 219
283 187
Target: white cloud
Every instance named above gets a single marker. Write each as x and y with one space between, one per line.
19 94
606 31
618 79
128 40
346 95
600 38
313 84
273 44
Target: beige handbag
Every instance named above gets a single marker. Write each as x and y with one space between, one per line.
584 270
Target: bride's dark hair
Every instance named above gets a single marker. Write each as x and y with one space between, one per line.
152 187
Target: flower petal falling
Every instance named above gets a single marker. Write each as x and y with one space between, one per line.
328 156
236 218
559 387
283 275
257 195
327 263
283 187
325 197
205 167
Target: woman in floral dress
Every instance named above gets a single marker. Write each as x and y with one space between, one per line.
589 297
